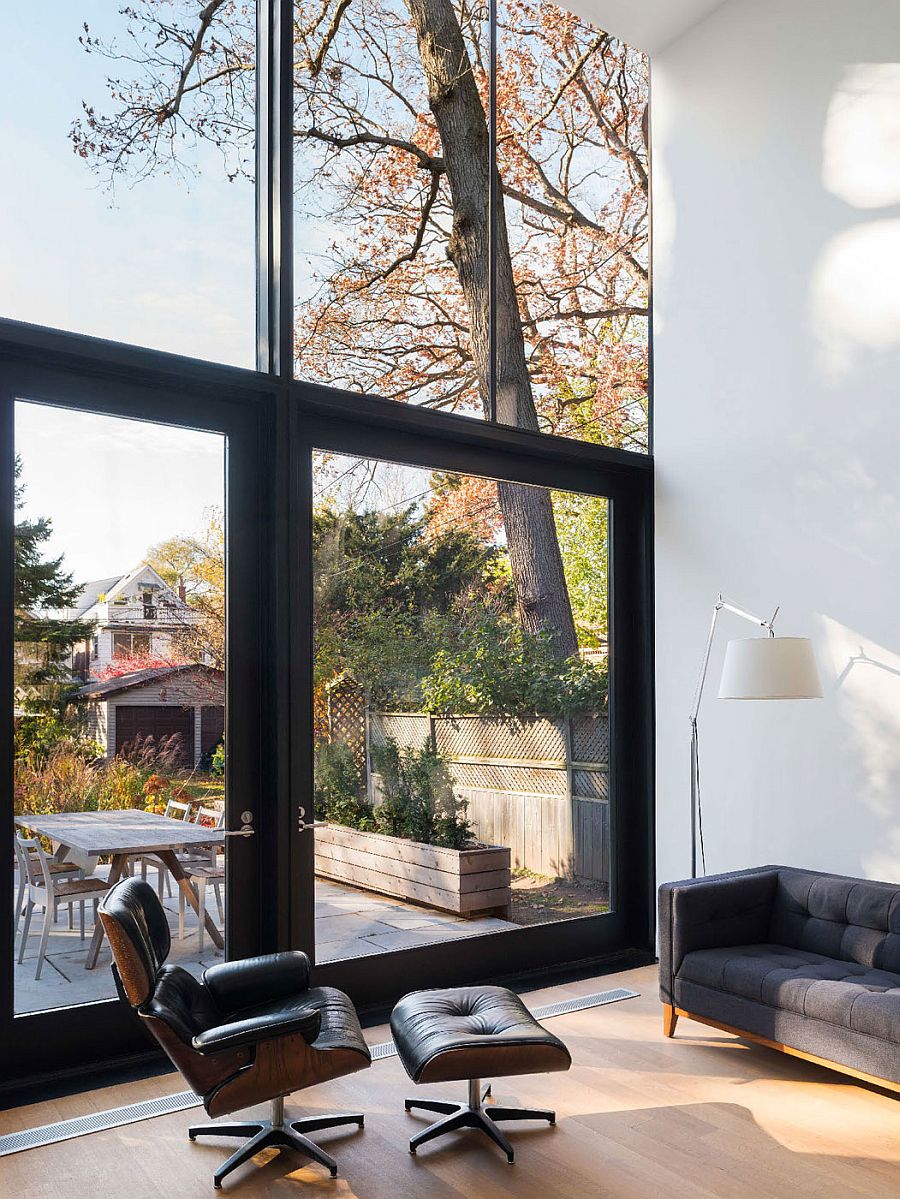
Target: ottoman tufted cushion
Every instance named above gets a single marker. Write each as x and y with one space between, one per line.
472 1032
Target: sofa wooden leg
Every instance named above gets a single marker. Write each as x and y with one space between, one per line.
670 1019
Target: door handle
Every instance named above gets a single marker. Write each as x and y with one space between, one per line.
303 824
246 829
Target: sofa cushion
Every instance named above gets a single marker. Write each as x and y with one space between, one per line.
823 988
845 918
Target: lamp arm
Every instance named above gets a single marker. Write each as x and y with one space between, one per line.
724 605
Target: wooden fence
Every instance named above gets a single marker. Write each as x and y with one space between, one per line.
537 785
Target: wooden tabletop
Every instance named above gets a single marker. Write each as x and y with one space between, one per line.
118 831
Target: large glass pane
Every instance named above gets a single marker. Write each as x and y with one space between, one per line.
128 213
391 240
461 706
573 237
119 690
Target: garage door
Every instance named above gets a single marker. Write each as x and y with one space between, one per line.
157 721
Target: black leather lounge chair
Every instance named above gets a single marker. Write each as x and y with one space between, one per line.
251 1031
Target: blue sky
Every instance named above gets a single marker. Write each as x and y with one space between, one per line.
114 487
170 265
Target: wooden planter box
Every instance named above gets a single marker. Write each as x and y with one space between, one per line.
463 881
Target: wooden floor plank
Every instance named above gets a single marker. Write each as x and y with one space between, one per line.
702 1116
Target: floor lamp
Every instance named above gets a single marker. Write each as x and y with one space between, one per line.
767 667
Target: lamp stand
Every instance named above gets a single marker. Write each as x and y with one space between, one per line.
696 813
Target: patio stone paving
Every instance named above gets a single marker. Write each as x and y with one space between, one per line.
349 923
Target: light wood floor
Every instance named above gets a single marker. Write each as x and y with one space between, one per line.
639 1117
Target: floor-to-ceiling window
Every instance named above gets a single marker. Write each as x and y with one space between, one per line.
429 706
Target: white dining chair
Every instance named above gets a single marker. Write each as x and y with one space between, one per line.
202 866
46 890
58 869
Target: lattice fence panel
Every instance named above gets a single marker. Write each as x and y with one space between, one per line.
531 738
590 738
529 779
590 784
409 730
347 719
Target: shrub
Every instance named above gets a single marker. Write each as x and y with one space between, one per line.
339 792
37 735
217 761
497 669
62 781
66 782
418 801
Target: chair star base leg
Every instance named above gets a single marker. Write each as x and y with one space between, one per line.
464 1115
264 1134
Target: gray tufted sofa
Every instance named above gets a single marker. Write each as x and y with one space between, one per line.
804 962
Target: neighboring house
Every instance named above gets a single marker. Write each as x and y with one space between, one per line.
185 700
133 615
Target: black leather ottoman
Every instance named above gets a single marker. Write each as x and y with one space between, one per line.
471 1033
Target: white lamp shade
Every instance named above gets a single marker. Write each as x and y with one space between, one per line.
770 668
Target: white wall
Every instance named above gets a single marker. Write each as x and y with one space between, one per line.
777 299
648 25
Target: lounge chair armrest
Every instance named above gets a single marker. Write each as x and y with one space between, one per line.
253 1030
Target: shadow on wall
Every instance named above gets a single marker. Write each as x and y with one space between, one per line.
867 692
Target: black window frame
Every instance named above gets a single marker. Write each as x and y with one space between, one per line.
283 419
372 428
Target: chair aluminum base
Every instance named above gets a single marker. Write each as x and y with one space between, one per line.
473 1115
275 1133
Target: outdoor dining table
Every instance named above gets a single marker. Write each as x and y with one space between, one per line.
122 834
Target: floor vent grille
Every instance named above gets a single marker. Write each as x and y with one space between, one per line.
166 1105
80 1126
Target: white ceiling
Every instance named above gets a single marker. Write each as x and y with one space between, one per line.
647 25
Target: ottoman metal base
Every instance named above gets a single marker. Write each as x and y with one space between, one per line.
275 1133
473 1115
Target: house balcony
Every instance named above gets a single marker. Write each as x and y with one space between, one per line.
130 615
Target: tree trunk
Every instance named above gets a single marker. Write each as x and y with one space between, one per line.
535 560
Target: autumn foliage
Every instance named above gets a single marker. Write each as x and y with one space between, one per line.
381 308
129 663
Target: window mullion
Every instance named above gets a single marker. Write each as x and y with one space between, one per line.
274 187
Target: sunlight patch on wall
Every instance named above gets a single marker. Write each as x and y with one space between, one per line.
867 690
855 295
861 143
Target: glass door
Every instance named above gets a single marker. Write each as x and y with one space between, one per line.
134 747
471 781
119 700
461 706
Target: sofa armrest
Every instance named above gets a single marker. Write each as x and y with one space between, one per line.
250 981
253 1030
708 913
